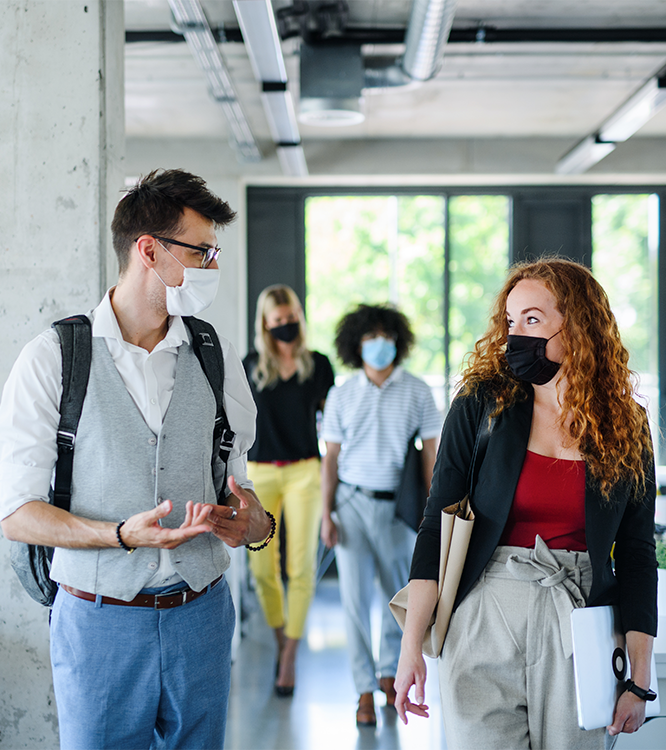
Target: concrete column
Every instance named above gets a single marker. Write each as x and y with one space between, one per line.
62 125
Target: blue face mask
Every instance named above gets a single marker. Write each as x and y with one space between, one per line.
378 353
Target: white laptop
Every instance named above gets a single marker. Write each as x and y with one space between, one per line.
601 666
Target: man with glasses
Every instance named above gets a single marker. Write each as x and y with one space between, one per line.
142 623
368 422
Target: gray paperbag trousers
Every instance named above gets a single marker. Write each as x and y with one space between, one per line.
506 670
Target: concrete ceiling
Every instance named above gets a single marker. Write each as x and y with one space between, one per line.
486 93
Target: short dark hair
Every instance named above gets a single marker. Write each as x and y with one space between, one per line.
155 205
371 319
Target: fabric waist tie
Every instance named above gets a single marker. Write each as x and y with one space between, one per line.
566 574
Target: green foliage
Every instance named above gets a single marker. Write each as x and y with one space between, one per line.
479 255
661 554
376 249
385 248
624 266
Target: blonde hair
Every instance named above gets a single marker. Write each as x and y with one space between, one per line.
266 373
607 424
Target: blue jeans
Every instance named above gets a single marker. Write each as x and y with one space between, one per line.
133 677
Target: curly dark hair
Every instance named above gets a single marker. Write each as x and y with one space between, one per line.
607 424
155 206
371 319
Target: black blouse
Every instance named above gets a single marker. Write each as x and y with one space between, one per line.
287 412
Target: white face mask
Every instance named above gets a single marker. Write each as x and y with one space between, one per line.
195 294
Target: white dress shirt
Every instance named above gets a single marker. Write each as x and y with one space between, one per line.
29 409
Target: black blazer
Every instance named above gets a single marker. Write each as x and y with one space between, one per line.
629 524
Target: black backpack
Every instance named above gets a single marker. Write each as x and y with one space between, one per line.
32 562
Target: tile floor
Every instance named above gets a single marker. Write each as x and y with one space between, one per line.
321 714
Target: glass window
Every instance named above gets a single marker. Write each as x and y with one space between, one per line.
377 249
624 260
478 260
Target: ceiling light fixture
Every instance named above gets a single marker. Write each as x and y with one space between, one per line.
641 107
635 112
193 25
262 43
292 160
583 156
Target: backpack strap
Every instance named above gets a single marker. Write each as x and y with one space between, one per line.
75 335
208 350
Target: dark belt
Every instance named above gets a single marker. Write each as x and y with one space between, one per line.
154 601
375 494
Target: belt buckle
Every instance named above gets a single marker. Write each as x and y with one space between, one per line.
183 595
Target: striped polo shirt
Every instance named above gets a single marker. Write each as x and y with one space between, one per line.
373 426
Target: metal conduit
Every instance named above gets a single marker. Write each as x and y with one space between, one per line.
193 24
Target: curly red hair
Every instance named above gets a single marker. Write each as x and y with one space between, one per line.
607 424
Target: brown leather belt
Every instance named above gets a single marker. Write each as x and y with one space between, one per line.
154 601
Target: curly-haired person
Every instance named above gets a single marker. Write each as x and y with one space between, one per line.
368 423
568 473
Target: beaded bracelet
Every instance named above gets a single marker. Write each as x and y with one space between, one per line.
127 549
269 537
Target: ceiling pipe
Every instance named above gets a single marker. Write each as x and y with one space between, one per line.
429 27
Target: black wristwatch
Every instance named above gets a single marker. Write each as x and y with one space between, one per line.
644 695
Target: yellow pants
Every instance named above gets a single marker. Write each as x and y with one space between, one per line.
294 489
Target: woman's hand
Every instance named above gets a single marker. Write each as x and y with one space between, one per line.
411 671
629 714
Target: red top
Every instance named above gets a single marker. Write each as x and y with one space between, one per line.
550 502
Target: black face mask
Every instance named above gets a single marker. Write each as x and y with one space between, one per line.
526 356
286 333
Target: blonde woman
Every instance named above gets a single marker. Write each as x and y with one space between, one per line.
289 384
567 476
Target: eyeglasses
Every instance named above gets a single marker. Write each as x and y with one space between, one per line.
208 254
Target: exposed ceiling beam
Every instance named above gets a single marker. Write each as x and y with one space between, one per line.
626 120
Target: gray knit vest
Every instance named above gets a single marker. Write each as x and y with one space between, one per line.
121 468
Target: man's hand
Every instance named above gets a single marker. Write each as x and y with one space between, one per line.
40 522
250 523
144 530
329 531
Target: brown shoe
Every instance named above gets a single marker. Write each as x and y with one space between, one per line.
365 713
386 686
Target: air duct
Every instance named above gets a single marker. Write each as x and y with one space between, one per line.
429 28
333 75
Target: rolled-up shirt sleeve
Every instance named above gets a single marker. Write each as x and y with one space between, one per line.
29 418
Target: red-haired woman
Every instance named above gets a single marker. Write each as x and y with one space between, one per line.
568 473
